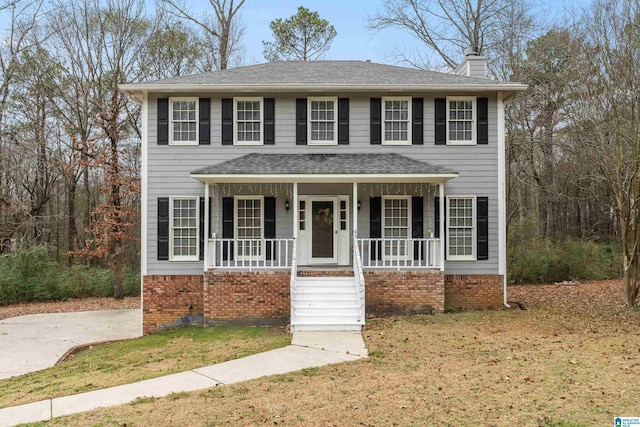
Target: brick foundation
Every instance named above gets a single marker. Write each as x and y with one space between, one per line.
262 297
468 292
246 298
171 301
404 292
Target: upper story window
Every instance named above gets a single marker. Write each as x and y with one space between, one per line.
247 122
461 120
322 121
184 121
461 230
396 113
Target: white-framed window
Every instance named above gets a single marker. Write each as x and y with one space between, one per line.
183 114
396 120
249 231
247 121
322 120
461 120
461 228
396 225
184 244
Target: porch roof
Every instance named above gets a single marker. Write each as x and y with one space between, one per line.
326 167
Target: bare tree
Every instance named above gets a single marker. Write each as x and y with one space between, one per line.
445 27
607 118
223 29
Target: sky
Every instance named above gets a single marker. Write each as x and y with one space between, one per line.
354 40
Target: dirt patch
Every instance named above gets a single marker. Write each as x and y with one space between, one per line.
72 305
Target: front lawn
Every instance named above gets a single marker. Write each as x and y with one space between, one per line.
123 362
564 362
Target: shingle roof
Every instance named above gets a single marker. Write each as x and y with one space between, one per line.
322 164
320 73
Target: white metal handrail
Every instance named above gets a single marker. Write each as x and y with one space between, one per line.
249 253
400 253
359 277
292 279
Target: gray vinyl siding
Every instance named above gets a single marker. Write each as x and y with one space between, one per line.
169 168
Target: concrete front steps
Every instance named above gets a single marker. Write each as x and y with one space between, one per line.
326 304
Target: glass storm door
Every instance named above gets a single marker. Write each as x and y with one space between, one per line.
323 230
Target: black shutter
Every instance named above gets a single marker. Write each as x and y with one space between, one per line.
441 121
163 121
375 226
269 121
417 226
417 130
343 121
227 122
436 217
163 228
227 227
270 226
209 220
376 121
483 120
482 237
301 121
201 231
204 121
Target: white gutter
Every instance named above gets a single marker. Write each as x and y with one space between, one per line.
292 87
408 178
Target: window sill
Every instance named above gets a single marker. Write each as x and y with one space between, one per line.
247 143
461 143
183 143
322 143
396 142
458 259
196 259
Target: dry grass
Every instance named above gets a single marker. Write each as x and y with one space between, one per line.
566 362
137 359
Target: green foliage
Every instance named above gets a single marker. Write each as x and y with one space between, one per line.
32 275
303 37
545 261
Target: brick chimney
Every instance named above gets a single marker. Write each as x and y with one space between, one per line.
473 65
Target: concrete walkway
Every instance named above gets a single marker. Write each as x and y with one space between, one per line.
308 349
37 341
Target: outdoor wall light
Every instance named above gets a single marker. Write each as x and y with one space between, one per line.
286 205
358 204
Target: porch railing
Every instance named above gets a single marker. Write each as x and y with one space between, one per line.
360 285
400 253
250 253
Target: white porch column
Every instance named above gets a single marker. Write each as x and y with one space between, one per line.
206 225
442 228
354 203
296 207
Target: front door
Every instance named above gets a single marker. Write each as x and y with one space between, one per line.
324 230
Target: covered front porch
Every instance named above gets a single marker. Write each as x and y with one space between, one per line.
341 216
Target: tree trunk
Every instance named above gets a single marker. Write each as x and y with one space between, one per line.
117 279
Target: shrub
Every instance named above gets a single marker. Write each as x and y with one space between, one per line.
32 275
544 261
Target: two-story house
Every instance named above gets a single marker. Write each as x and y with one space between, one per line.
313 193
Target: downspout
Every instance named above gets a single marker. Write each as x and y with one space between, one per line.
502 203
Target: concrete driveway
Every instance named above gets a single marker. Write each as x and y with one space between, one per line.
36 341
